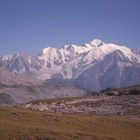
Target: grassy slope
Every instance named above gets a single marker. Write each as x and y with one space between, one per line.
20 124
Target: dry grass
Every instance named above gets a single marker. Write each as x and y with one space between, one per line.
21 124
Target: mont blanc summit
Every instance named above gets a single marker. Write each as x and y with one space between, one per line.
93 66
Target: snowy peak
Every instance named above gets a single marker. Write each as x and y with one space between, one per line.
68 52
21 62
47 50
7 57
68 55
96 43
98 53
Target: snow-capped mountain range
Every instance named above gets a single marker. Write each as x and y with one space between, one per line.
92 66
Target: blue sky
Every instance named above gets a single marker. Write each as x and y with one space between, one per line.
30 25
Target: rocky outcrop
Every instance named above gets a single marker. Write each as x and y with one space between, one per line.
132 90
125 105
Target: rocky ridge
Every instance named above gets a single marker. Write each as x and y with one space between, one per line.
104 104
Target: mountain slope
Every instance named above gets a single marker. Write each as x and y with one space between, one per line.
13 78
22 63
115 70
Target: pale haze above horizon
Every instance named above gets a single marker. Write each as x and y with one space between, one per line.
31 25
